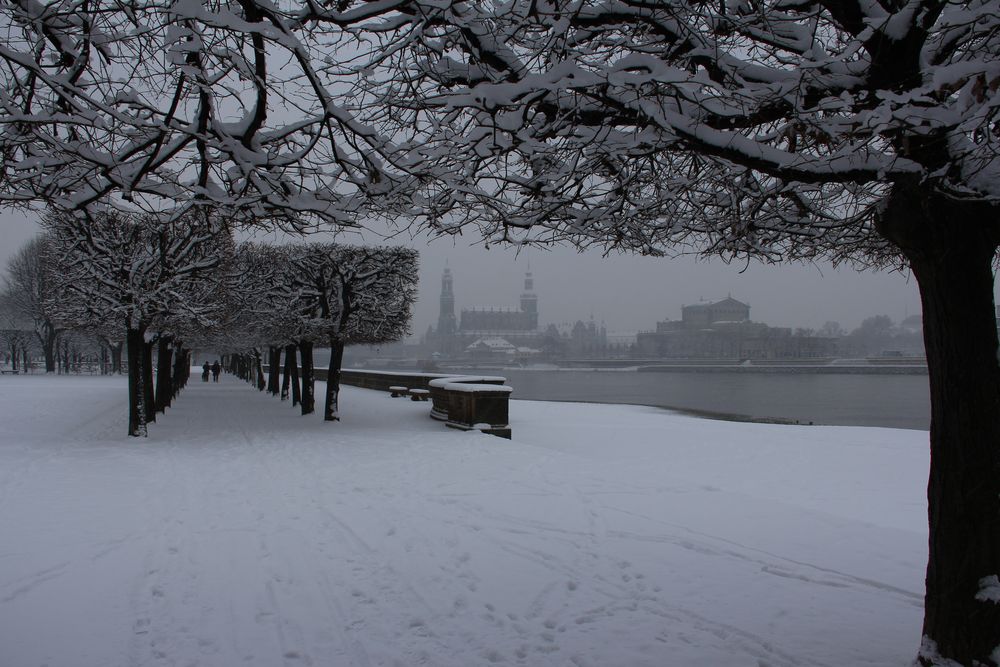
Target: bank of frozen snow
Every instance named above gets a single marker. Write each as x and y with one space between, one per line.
241 533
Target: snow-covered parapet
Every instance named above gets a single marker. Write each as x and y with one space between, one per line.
481 379
477 388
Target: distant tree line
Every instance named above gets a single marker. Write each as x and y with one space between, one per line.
29 330
875 335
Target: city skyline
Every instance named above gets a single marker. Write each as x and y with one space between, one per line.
655 289
573 285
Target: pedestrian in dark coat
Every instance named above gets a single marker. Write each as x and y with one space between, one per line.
216 369
205 370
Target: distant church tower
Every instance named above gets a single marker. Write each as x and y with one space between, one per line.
446 318
529 301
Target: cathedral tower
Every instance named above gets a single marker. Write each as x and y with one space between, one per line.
446 317
529 301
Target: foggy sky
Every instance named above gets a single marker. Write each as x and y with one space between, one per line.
628 293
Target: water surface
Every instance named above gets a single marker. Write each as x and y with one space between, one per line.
897 401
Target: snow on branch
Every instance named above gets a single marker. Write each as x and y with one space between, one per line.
147 103
746 129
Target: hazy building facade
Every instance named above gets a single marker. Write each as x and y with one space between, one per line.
513 333
523 319
723 330
484 332
702 315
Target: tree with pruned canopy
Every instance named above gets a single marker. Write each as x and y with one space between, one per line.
349 295
262 311
150 275
298 296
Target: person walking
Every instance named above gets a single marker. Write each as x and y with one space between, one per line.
216 369
205 370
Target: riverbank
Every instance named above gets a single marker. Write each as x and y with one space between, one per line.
243 533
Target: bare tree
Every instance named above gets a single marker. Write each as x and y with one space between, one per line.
15 335
27 287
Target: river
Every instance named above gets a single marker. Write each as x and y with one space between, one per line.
896 401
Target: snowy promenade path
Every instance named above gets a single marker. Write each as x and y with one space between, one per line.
241 533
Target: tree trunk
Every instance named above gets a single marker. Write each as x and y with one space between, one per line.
331 411
180 373
135 344
259 370
296 385
164 374
273 370
47 338
308 399
147 382
116 358
286 378
950 247
963 492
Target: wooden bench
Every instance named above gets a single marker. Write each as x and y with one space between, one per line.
419 394
8 371
397 391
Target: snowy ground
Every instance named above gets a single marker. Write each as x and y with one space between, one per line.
242 534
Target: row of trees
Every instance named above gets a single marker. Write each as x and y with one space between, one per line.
292 298
166 285
149 281
75 352
854 130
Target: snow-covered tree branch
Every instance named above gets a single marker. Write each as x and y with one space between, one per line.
148 103
149 275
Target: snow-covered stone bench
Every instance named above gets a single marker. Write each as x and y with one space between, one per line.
439 397
475 406
468 402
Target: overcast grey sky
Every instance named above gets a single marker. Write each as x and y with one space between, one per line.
628 293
